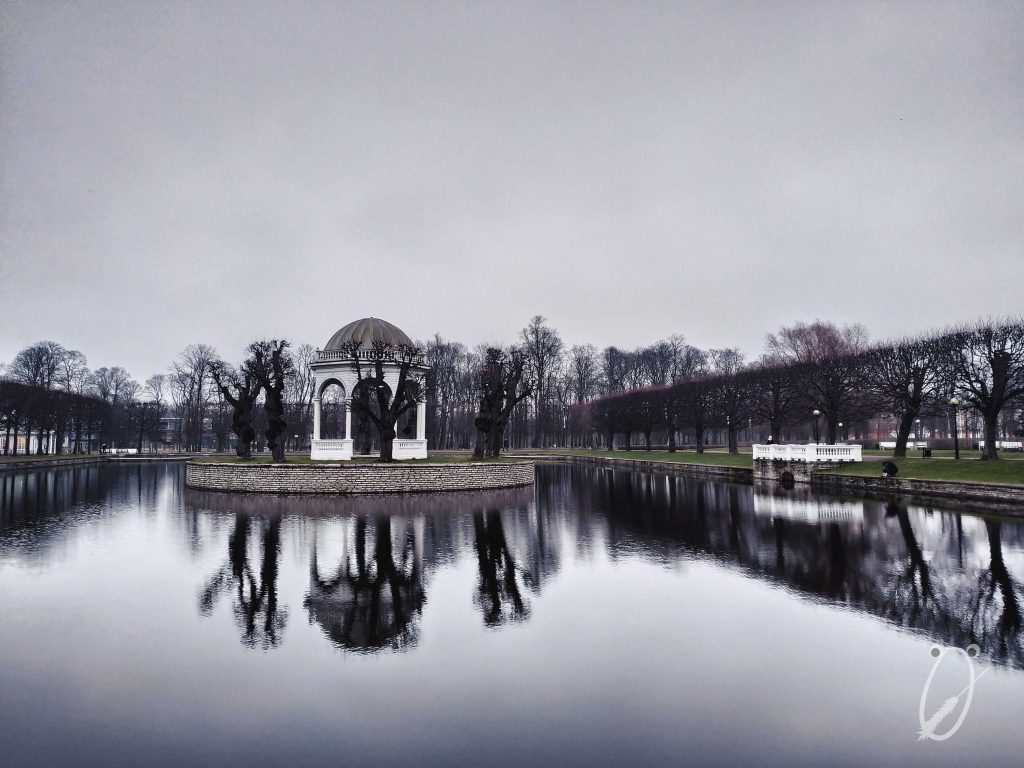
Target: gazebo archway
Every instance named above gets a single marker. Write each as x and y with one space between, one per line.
348 352
335 421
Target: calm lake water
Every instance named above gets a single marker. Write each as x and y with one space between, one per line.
601 618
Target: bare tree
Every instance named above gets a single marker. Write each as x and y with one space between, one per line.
373 400
907 376
690 363
776 393
829 360
613 369
241 390
144 409
501 384
191 393
299 392
270 366
542 347
987 363
733 394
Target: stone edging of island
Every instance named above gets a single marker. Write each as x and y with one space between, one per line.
328 478
1003 499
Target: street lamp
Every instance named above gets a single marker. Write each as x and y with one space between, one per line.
816 413
841 432
953 403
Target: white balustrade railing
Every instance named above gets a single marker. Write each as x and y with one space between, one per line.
331 450
811 452
409 449
394 355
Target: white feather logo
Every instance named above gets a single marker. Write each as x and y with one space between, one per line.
930 725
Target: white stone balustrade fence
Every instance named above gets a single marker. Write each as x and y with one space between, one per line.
812 452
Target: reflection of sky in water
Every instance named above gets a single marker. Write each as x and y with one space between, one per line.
601 618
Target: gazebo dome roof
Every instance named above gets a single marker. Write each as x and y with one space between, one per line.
367 331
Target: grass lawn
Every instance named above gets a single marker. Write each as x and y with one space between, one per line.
973 470
717 457
965 453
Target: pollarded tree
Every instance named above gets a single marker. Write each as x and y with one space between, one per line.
501 385
696 400
270 365
987 363
647 407
240 389
775 393
373 400
907 375
733 393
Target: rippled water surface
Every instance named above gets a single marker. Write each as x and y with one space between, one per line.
601 618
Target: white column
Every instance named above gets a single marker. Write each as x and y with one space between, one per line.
316 418
348 421
421 421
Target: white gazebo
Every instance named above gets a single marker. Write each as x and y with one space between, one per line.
336 364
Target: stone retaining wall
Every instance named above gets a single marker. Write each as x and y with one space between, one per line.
732 474
51 463
356 478
798 471
1008 499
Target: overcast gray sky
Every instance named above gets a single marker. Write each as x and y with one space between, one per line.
180 172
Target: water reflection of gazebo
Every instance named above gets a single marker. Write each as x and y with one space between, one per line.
358 345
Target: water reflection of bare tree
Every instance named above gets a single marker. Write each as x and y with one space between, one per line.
499 594
372 600
939 573
254 598
998 617
916 580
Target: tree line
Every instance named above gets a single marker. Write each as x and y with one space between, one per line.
536 393
823 373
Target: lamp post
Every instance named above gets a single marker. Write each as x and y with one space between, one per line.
953 403
816 413
841 433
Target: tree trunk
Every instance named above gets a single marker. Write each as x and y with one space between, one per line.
671 436
733 443
537 433
481 441
698 435
647 440
494 441
903 434
991 431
